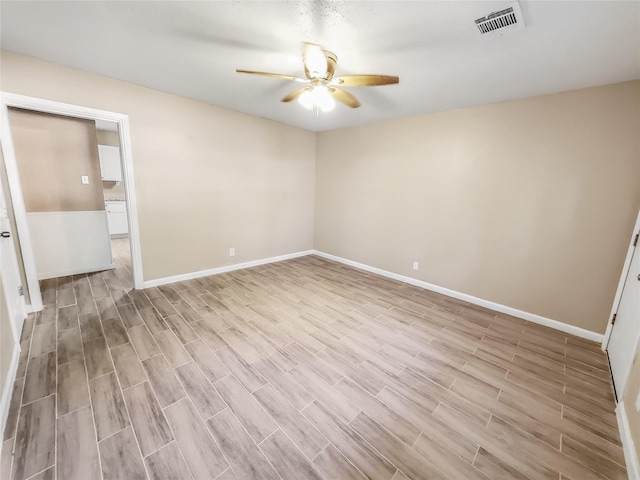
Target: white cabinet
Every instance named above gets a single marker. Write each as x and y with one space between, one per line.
117 218
110 163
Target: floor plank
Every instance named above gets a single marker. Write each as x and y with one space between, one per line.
120 457
210 365
143 342
334 466
203 457
97 358
172 349
247 410
73 388
407 460
242 370
70 346
288 461
352 445
14 409
128 366
43 339
205 398
40 380
35 438
306 437
167 464
163 380
109 411
149 423
246 459
77 450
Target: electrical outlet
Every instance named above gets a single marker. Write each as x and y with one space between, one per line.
232 252
415 265
84 179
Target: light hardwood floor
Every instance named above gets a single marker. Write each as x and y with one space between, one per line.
303 369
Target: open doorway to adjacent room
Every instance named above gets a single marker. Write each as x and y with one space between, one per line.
115 199
71 180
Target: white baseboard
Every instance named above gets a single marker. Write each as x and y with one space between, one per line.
227 268
630 456
532 317
7 389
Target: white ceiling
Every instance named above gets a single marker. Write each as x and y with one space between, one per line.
193 48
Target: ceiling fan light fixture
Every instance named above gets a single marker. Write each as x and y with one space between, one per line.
306 99
323 89
323 99
317 97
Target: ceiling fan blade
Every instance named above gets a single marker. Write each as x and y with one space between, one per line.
332 60
274 75
344 97
364 80
295 94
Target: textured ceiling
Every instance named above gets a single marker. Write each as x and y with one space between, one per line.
193 48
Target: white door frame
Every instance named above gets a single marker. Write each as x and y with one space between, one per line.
15 305
10 285
48 106
623 278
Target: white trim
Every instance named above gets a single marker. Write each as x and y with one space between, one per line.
131 201
227 268
41 105
630 456
7 388
623 278
532 317
628 376
15 334
19 208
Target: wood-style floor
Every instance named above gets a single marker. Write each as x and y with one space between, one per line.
304 369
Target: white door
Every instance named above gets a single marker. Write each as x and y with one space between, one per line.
626 331
10 273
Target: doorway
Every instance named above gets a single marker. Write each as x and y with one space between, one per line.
623 335
115 200
121 124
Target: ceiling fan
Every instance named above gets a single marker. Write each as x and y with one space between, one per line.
322 87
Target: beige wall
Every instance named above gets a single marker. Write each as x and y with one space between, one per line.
631 393
206 178
107 137
528 203
53 153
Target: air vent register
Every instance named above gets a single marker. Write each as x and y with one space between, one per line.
502 21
